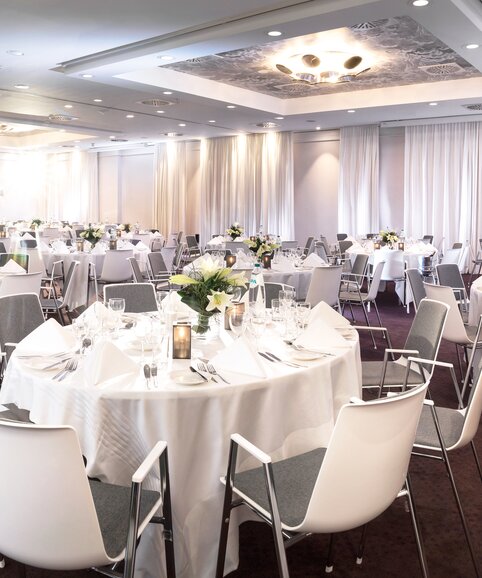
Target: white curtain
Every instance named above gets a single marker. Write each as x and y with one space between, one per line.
443 185
249 179
358 204
171 182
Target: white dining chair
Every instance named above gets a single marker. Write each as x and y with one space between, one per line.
23 283
89 524
325 286
330 489
116 267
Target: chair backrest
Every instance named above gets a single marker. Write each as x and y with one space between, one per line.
35 261
415 282
69 283
191 242
139 297
20 259
375 282
473 411
451 256
359 266
324 285
28 243
20 314
309 246
366 462
457 246
136 270
344 245
116 267
427 330
454 330
341 236
156 263
449 275
15 284
319 249
176 263
2 248
394 264
326 245
271 291
427 239
168 254
45 473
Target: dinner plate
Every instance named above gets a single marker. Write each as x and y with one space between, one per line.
136 345
183 377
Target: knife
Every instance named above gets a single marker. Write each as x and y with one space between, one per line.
198 372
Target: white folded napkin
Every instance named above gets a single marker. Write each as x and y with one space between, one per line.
28 236
313 260
328 315
105 362
319 336
216 241
13 267
243 259
95 314
60 247
47 339
240 357
173 304
141 247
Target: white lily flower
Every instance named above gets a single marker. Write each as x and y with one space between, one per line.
218 300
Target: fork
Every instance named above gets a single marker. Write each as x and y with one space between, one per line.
275 358
70 367
212 371
202 367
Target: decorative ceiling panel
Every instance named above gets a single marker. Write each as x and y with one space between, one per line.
397 51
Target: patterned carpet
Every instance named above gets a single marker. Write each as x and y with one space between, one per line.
390 549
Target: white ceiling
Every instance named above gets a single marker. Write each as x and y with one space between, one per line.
121 42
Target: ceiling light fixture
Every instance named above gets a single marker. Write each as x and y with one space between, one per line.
166 57
279 117
167 92
318 128
129 116
160 111
181 124
97 100
22 86
330 66
68 106
274 33
433 103
419 3
230 106
15 52
471 46
351 110
87 75
211 121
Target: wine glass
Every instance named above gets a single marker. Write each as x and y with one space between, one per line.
237 322
117 305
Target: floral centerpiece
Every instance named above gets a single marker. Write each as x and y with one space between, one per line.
35 223
261 244
207 289
124 227
235 231
92 234
389 237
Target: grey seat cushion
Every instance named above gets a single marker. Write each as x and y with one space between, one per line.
451 423
294 480
112 507
395 375
353 296
14 413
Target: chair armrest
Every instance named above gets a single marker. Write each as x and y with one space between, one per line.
367 328
251 449
356 400
148 462
409 351
420 361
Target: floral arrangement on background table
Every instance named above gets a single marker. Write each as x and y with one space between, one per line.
261 245
208 289
34 223
235 231
389 237
92 234
124 227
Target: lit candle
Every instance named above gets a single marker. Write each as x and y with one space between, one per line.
230 260
80 245
181 341
266 260
376 245
401 246
119 233
235 309
113 244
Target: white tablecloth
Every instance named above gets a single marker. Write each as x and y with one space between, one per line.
291 411
286 273
475 308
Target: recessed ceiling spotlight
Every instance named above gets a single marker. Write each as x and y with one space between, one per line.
471 46
160 111
167 92
112 136
68 106
166 57
129 116
173 134
274 33
22 86
318 128
211 121
279 117
97 100
351 110
181 124
433 103
419 3
230 106
87 75
76 140
62 130
15 52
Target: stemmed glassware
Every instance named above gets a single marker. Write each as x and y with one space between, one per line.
237 322
117 306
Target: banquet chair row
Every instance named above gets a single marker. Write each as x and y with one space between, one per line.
90 524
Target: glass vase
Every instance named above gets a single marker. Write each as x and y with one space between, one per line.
206 326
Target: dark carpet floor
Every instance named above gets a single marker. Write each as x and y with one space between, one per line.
390 549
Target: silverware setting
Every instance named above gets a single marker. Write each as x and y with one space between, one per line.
147 375
69 367
212 370
193 369
275 359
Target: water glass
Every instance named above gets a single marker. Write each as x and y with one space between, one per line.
237 322
117 306
302 314
276 314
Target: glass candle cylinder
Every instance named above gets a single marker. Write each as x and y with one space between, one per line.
376 245
79 244
266 260
181 341
113 244
230 260
119 233
401 246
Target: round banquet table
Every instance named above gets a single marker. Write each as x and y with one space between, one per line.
118 421
297 277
